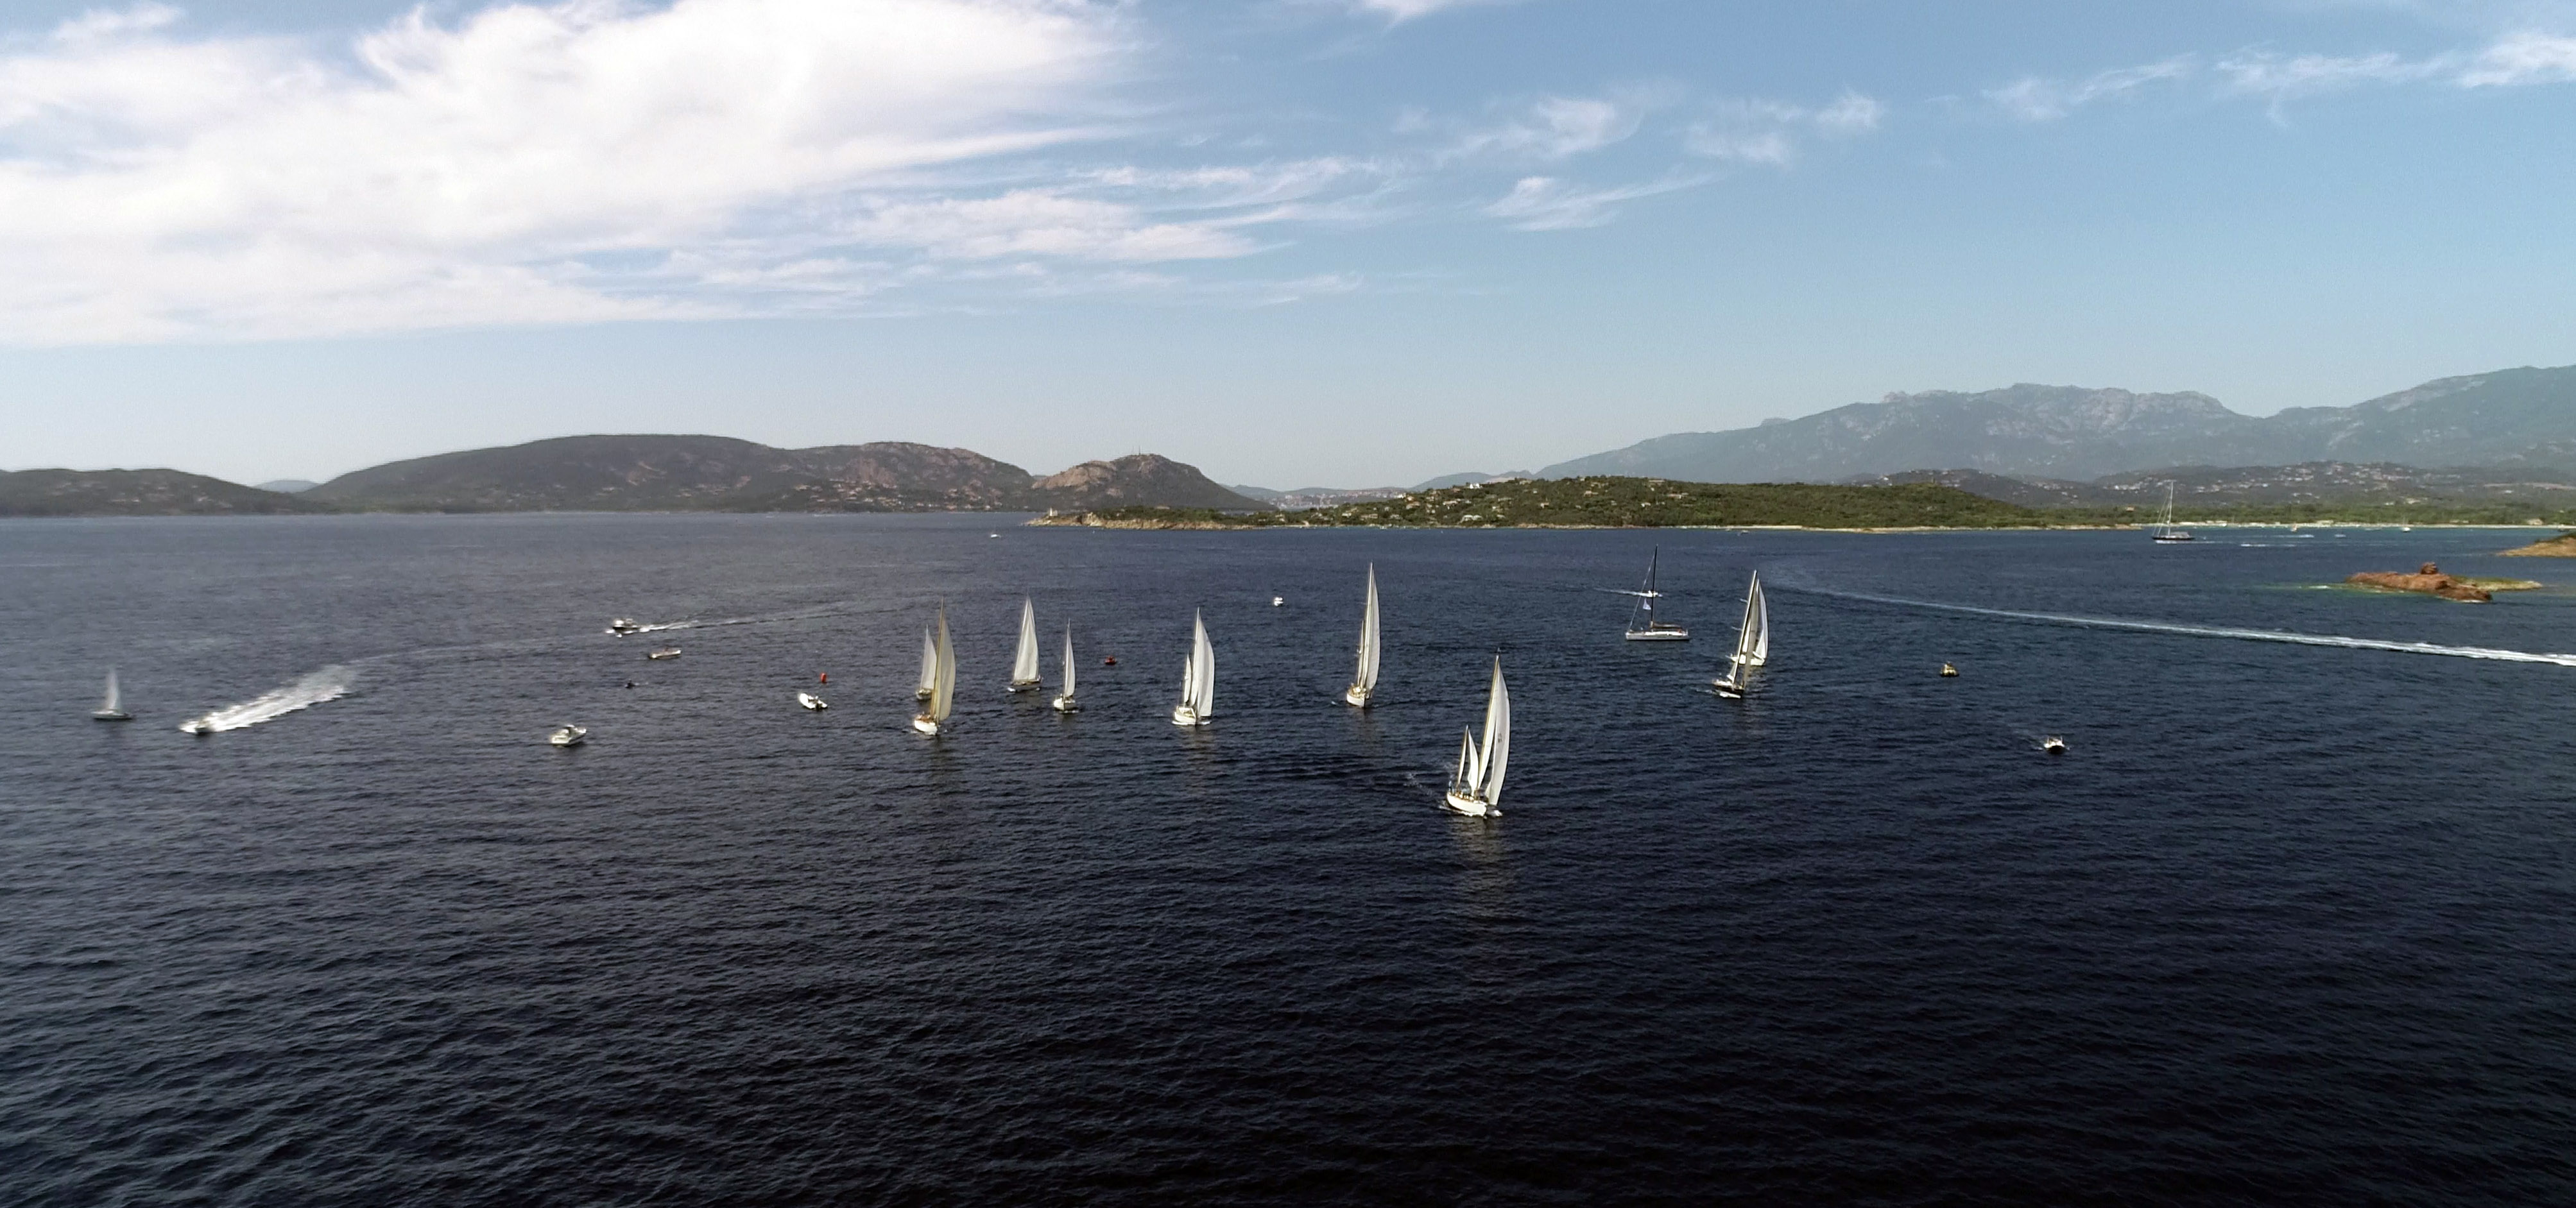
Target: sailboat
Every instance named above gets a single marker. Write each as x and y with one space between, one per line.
1752 643
1476 786
1024 661
111 707
943 680
1364 681
1642 626
1198 679
1064 702
929 668
2167 531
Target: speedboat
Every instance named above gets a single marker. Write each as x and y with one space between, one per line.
625 625
200 726
813 702
667 652
2053 745
568 736
1949 672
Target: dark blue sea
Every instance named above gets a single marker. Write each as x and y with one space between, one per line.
2288 924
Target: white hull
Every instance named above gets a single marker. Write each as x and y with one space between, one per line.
200 727
1065 704
568 736
1183 715
1027 686
925 725
1658 635
111 715
1356 696
813 702
2172 538
1469 806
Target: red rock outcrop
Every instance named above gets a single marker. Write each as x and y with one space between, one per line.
2430 580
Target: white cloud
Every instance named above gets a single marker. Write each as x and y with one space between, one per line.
2034 99
1545 203
520 164
2524 58
2282 78
1557 127
1769 132
1407 10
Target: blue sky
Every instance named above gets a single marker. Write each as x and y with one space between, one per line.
1295 242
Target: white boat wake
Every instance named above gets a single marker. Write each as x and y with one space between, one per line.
2216 631
329 683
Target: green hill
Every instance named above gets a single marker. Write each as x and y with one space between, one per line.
1613 502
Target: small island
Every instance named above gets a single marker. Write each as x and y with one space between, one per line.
2429 580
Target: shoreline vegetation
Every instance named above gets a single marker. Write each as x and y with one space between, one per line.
1623 502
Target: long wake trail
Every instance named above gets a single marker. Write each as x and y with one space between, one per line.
329 683
2208 631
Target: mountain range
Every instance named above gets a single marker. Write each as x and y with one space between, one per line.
2505 418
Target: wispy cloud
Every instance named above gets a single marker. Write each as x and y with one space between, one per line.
1407 10
1770 132
1550 128
2037 99
2524 58
1545 203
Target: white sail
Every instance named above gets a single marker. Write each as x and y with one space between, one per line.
943 688
1365 680
929 667
1497 752
1202 670
1068 663
110 702
1761 609
1464 779
1024 661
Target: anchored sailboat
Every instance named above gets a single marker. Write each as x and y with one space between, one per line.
943 680
1198 679
1364 681
1642 625
2167 531
1476 786
1024 661
1064 702
929 667
1752 643
111 707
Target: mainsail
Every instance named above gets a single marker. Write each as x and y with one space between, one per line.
1364 680
1024 661
1068 662
943 686
929 667
1760 607
1202 670
1497 751
108 704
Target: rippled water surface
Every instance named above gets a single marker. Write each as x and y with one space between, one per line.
2289 923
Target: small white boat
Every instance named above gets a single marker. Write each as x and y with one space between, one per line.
2166 532
111 706
568 736
666 652
200 726
1278 601
2053 745
810 701
1024 660
1949 672
1064 701
929 682
624 625
1476 785
1364 680
1198 679
943 680
1752 644
1642 625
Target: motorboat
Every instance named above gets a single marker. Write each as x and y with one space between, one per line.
666 652
568 736
1949 672
622 626
812 702
2053 745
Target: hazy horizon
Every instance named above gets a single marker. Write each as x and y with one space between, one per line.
1290 242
